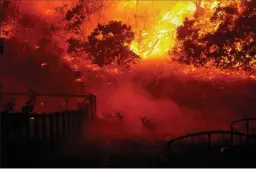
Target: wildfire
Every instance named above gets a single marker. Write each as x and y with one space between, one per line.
155 24
159 36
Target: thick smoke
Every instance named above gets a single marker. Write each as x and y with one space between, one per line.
177 104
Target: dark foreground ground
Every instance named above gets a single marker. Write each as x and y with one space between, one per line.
131 154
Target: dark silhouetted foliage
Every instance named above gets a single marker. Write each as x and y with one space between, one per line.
109 44
231 46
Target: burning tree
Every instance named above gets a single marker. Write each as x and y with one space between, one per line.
226 38
107 45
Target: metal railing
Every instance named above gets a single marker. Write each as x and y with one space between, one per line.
233 132
209 135
247 122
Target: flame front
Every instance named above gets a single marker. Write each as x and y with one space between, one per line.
155 39
155 24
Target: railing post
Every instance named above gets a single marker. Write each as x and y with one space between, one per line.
240 138
169 147
247 131
209 140
231 136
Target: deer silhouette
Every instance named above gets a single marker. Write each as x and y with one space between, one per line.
29 106
119 116
147 124
9 106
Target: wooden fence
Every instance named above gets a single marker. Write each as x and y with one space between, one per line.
52 127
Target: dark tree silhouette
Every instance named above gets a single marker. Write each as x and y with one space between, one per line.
109 45
231 46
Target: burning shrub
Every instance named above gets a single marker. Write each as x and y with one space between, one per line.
226 38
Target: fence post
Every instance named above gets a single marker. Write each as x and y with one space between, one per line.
51 126
69 127
74 122
78 121
27 128
36 126
67 103
92 106
63 123
57 126
44 135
